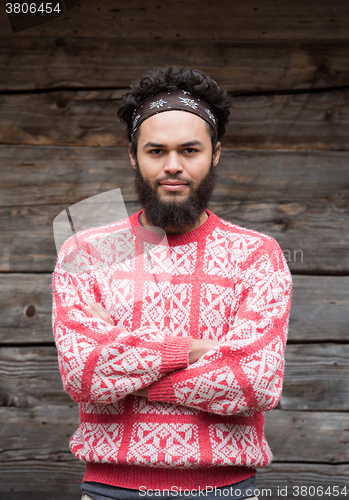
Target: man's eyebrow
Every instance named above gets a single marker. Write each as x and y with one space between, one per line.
151 144
191 143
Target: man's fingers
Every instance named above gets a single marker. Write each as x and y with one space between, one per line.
97 311
92 312
141 392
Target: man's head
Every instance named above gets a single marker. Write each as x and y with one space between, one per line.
175 152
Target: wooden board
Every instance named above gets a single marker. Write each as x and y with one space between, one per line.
59 61
308 436
306 121
42 433
41 479
310 234
39 433
30 477
29 376
293 476
319 309
222 20
316 377
31 175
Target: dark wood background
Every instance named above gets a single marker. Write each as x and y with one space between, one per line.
284 171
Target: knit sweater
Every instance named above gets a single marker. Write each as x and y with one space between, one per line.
202 424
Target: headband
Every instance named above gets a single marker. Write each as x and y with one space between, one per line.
172 100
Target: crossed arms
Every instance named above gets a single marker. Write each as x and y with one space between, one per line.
198 347
102 363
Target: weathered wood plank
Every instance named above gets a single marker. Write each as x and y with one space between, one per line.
221 20
319 309
39 433
308 436
26 308
56 174
294 476
57 62
306 121
88 118
42 480
313 236
30 477
30 377
316 377
42 433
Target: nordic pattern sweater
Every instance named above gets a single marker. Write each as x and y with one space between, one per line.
202 424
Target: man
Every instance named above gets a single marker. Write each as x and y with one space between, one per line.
174 353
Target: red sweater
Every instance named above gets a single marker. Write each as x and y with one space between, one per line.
202 424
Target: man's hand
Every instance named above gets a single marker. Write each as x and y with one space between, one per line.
199 347
141 392
97 311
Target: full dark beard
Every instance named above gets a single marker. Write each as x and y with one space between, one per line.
174 214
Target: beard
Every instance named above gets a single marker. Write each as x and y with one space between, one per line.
174 213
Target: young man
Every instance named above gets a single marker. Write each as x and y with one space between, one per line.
173 358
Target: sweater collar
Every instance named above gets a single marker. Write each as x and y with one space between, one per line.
178 239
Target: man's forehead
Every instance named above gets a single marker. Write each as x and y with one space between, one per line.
175 126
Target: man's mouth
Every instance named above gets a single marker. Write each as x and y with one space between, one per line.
174 185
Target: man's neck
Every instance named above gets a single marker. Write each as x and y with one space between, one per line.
173 231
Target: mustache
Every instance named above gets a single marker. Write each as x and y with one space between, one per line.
174 177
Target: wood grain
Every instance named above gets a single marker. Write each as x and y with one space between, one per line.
222 20
307 121
308 436
316 377
41 479
29 376
39 433
26 308
294 476
319 309
59 61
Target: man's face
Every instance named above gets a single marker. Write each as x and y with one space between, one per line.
174 168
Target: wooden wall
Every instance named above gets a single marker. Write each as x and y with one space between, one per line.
284 171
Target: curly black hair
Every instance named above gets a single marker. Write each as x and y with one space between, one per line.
175 78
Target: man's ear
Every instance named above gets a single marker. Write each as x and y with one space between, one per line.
133 159
217 153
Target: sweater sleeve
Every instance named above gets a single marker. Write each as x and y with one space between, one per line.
245 371
100 363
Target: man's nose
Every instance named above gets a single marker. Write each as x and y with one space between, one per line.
173 163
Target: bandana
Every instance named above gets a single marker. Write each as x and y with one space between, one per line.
170 100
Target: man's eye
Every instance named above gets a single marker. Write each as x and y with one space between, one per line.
155 151
190 150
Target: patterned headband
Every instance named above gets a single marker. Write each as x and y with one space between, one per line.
169 101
